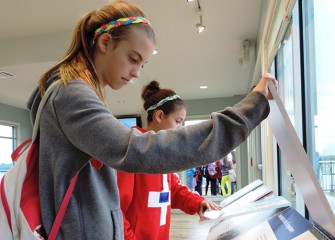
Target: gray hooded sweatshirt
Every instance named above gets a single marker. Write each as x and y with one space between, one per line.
75 126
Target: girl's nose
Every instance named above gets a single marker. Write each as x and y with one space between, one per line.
136 72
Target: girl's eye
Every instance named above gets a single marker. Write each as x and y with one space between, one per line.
133 60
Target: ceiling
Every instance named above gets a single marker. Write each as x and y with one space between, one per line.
35 34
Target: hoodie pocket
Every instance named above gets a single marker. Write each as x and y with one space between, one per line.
117 224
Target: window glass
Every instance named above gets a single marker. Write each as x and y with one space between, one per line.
7 145
188 175
319 38
6 131
288 74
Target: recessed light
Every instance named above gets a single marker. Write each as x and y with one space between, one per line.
155 52
203 87
121 102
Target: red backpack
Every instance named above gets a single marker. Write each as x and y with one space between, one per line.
20 211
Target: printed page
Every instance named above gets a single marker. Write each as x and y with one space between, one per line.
261 205
301 168
288 224
251 196
240 193
236 226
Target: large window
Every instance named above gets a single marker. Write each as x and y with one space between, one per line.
289 78
319 38
306 89
187 176
8 141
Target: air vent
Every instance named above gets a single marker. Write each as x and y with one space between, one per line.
4 74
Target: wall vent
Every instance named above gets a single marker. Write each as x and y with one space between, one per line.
4 74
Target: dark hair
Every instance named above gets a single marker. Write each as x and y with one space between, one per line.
152 94
78 61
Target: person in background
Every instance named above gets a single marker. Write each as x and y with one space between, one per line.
232 174
147 199
218 177
208 179
189 178
199 174
109 48
225 167
211 173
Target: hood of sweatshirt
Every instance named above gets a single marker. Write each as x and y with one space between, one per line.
35 98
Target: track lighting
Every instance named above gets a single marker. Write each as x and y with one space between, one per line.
200 26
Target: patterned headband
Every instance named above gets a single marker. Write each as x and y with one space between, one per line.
161 102
120 22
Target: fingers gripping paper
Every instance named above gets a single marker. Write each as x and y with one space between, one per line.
299 165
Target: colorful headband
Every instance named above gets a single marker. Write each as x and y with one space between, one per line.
120 22
161 102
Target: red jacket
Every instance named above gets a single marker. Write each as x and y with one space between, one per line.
219 173
146 203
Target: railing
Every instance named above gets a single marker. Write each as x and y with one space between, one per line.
327 175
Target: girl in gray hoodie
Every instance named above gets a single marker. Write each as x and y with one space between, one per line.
109 48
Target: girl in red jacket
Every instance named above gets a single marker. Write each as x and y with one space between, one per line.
147 199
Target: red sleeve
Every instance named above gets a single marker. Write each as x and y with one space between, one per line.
125 183
182 198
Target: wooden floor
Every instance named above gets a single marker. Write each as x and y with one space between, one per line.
184 226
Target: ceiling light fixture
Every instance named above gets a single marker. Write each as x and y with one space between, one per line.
190 0
200 26
203 87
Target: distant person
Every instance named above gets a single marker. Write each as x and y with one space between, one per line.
232 173
208 180
189 178
147 199
211 174
225 167
218 177
199 174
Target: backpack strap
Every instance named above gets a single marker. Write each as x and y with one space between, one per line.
62 209
41 106
18 151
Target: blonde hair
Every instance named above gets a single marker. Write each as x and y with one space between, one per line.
77 63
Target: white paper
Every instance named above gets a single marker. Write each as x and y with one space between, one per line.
299 165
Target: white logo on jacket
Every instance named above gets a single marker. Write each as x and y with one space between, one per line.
161 199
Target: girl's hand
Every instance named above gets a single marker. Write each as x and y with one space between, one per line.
262 85
207 205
